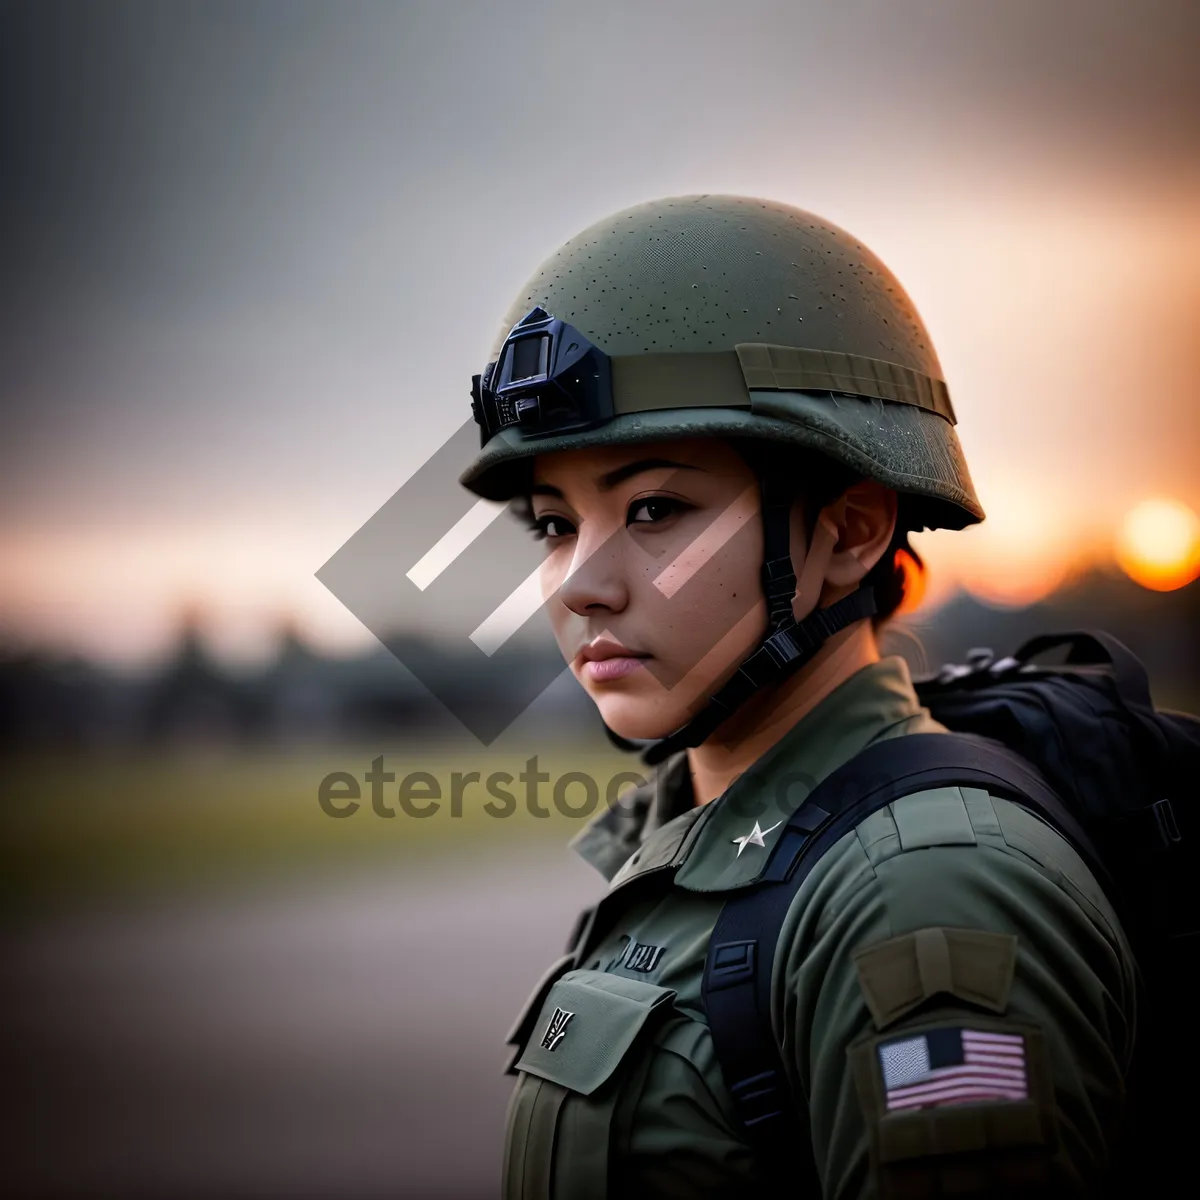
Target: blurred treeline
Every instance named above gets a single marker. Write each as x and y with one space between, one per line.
299 697
302 696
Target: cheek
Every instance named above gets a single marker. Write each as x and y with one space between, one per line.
717 550
704 605
698 637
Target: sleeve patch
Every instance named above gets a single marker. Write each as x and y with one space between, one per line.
959 1105
958 1065
901 973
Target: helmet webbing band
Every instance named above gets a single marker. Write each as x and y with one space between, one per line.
725 379
550 379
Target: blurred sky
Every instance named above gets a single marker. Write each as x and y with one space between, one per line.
254 252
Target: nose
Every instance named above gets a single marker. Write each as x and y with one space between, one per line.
596 581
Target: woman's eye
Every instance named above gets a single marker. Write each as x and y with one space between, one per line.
551 526
652 509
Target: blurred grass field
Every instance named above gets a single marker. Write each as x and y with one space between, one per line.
83 826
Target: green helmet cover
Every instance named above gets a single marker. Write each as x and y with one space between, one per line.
729 316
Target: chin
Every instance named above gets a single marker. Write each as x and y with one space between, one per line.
641 719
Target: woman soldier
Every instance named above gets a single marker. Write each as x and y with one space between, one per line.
723 417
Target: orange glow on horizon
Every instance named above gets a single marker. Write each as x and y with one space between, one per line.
914 582
1158 544
1017 590
1020 554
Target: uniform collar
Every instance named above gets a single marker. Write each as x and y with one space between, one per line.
664 803
659 825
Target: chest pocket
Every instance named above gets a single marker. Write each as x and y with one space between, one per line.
586 1049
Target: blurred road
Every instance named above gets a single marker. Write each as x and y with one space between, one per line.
342 1039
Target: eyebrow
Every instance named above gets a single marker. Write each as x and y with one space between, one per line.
619 475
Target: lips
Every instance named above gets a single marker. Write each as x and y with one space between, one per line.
604 660
603 648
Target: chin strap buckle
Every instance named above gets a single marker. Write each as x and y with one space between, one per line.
778 574
779 587
782 653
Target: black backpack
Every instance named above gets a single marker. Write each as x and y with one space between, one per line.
1083 747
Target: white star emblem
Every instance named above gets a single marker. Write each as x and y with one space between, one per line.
754 837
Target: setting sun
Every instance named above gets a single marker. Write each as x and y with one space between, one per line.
1158 544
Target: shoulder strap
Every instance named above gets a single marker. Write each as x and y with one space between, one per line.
741 952
1095 647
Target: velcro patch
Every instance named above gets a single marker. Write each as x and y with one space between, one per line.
903 972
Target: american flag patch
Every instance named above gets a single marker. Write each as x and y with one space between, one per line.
953 1066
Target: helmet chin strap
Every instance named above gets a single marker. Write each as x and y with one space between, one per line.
786 648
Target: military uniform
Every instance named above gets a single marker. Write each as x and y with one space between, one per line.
952 918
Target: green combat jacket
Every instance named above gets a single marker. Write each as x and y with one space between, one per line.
952 992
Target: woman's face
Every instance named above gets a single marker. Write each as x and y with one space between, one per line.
652 569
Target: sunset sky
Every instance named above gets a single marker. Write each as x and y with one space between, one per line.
261 248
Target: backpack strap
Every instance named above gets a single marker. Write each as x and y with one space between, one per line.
1094 647
741 953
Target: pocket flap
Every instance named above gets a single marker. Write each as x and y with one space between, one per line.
588 1022
522 1027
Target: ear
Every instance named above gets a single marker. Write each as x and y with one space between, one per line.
864 517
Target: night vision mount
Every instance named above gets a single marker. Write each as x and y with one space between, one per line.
547 379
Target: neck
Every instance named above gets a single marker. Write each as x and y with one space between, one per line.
764 719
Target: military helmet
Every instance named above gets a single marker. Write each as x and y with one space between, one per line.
722 316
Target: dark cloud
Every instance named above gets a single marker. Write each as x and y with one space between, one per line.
148 143
209 208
